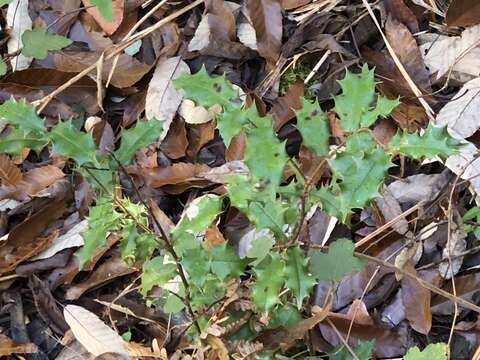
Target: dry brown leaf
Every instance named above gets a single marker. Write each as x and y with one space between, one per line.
175 143
23 240
303 326
402 13
293 4
40 178
218 347
266 16
107 271
219 174
199 135
10 174
72 238
108 26
163 99
463 13
127 72
213 237
416 300
455 246
9 347
282 109
92 333
171 175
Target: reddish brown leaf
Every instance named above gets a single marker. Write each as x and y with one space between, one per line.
402 13
213 237
23 240
127 72
10 174
236 149
463 13
408 52
224 12
416 300
172 175
109 270
9 347
40 178
266 16
108 26
175 144
198 135
384 130
282 109
409 117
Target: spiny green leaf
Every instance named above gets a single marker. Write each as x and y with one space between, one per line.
286 316
156 272
269 283
173 305
18 139
432 351
197 218
207 90
144 133
260 247
72 143
363 351
105 8
225 263
265 155
435 141
102 218
211 291
197 264
353 106
134 245
297 277
37 43
21 115
313 125
338 262
361 169
230 123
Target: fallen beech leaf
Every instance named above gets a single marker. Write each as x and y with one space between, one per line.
110 269
402 13
23 240
282 109
9 347
127 72
466 164
175 143
10 174
460 114
18 20
40 178
92 333
266 16
416 300
172 175
454 248
293 4
303 326
198 135
71 238
163 99
108 26
458 54
463 13
408 52
219 174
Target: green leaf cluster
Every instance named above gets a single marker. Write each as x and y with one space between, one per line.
432 351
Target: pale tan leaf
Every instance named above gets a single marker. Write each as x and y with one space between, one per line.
461 53
72 238
10 174
92 333
18 20
163 99
466 164
40 178
460 114
454 247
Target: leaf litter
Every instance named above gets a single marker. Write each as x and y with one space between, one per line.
187 152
